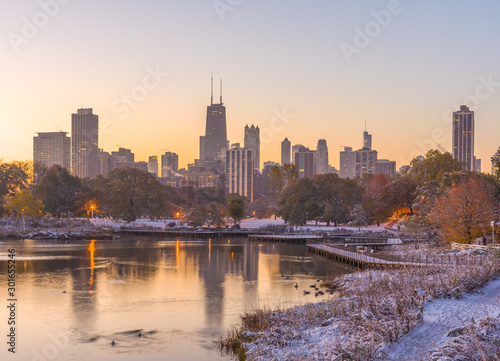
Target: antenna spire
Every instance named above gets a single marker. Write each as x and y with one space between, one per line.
221 91
212 89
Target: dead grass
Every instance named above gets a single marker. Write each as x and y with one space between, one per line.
374 308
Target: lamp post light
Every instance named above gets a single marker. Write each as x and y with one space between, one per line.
493 233
92 207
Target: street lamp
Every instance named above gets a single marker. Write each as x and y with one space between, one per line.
92 207
493 232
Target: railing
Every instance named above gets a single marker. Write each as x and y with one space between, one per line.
403 259
464 247
436 260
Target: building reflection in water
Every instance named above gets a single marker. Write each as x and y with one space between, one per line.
92 266
223 275
212 269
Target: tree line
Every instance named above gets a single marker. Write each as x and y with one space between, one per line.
31 190
433 197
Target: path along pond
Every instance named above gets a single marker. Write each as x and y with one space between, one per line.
156 298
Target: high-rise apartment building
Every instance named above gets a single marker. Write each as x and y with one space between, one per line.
385 166
252 142
463 137
84 144
105 163
321 160
304 161
124 155
52 148
295 150
239 171
153 165
366 162
122 158
214 143
477 165
347 163
285 151
169 165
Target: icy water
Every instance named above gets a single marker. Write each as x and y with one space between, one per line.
156 298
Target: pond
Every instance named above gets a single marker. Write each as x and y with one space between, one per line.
155 298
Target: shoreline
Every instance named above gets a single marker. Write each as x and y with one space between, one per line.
374 311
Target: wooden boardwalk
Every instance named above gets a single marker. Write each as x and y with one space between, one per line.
357 260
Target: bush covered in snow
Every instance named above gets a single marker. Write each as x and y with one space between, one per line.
475 341
52 227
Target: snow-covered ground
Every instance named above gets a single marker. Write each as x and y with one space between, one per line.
442 316
252 223
377 315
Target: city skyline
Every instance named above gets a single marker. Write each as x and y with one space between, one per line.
318 93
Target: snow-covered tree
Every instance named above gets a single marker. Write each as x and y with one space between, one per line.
359 218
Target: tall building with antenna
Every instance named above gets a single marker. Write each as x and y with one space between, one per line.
214 143
367 139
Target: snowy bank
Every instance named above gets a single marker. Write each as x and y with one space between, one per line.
372 311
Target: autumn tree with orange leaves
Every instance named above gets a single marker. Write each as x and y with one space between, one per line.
465 212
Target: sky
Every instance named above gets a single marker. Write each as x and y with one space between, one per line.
305 70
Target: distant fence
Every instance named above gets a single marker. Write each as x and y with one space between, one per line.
464 247
436 260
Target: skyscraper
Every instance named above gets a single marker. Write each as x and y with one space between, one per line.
214 143
366 162
239 171
347 163
285 151
153 165
367 140
252 142
84 144
304 161
321 157
295 149
169 165
52 148
463 137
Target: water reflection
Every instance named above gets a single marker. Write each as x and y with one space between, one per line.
190 291
92 265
